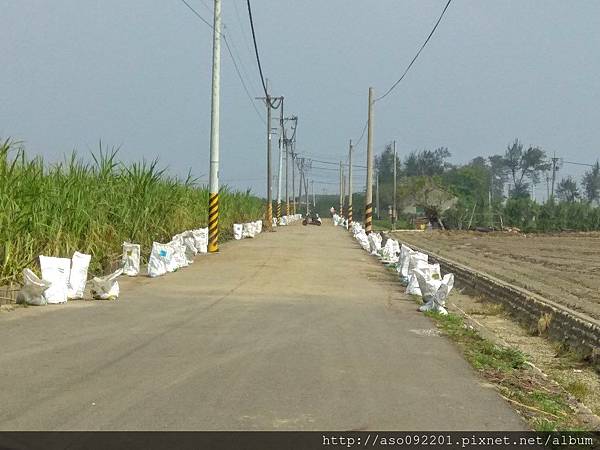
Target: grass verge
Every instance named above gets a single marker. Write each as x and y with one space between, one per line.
544 405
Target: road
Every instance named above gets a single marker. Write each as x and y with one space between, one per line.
294 330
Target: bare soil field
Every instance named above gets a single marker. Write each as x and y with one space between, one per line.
563 267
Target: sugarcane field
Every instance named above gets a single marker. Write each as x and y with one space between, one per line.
299 225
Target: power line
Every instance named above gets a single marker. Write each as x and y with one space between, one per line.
237 70
416 55
361 135
262 78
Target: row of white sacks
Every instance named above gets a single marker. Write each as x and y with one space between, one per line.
66 278
420 277
251 229
63 279
340 221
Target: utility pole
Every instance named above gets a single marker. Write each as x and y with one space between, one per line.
312 188
395 189
341 191
287 182
306 193
269 218
213 199
350 183
369 196
554 169
377 194
293 181
279 179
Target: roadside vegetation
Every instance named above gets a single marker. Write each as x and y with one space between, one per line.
544 405
56 209
491 192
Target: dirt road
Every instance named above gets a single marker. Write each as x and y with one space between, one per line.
295 330
563 268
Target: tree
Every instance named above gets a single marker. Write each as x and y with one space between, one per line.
567 190
524 167
591 183
427 162
384 164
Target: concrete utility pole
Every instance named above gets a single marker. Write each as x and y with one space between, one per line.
293 181
394 211
312 188
377 194
306 193
280 172
213 199
269 218
287 182
350 183
369 196
554 169
341 190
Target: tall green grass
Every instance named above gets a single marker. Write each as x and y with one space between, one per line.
57 209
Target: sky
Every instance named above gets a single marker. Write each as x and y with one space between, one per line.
137 74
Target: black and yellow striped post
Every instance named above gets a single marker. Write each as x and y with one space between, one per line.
213 223
350 184
269 216
369 218
278 212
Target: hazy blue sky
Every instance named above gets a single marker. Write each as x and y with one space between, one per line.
136 73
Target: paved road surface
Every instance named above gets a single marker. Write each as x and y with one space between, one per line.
295 330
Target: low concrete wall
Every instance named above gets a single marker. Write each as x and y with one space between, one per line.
577 331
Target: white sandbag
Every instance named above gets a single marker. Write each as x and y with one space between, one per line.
283 221
430 271
238 231
57 272
78 276
390 251
190 246
274 221
437 292
32 292
106 288
374 243
179 259
363 240
201 239
160 257
131 259
248 230
402 267
259 225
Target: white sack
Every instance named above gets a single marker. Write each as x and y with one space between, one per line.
106 288
389 252
190 246
437 293
248 230
374 243
160 257
201 239
57 272
238 231
259 225
363 240
32 292
131 259
430 271
78 276
179 259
